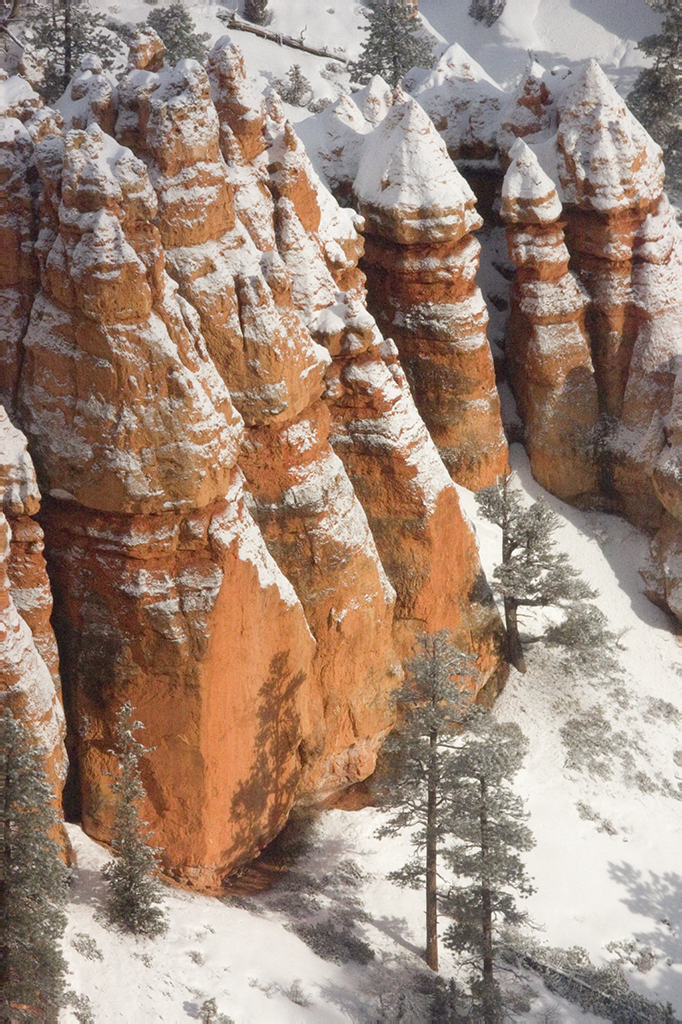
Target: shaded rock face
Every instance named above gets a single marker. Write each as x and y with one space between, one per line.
625 248
547 348
421 260
246 520
29 670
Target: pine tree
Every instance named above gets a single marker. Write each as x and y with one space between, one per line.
134 897
534 574
486 11
487 820
256 11
178 33
656 97
34 884
416 769
392 45
61 34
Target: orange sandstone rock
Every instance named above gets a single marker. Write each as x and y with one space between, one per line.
547 348
166 594
421 261
300 495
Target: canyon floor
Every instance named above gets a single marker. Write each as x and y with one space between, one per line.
602 784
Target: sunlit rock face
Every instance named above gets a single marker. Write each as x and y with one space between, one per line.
246 520
421 260
165 592
29 668
547 348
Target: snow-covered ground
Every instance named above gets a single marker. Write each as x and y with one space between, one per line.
553 31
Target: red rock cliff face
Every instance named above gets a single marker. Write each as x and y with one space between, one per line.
300 495
166 594
421 261
412 507
236 480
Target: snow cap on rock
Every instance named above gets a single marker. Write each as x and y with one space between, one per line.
528 194
375 100
408 188
607 161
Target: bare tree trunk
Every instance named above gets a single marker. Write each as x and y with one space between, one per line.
514 646
431 863
488 992
68 58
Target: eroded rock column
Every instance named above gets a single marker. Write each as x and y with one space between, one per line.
421 261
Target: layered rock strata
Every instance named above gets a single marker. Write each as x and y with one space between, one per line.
547 348
412 507
152 551
246 520
625 248
421 261
300 494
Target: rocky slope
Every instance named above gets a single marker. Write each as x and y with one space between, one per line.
592 340
246 520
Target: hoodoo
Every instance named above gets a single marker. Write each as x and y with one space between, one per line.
421 262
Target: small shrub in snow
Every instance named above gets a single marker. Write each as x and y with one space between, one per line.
208 1013
339 946
81 1007
487 11
86 946
296 994
317 106
196 957
295 89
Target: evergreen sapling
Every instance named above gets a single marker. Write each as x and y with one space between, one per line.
62 33
134 895
533 573
34 884
656 97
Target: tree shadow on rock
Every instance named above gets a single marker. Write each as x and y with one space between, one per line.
261 804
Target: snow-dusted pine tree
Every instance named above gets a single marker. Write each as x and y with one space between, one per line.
392 45
256 11
415 774
60 34
34 884
535 574
656 97
487 11
134 896
178 33
486 820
